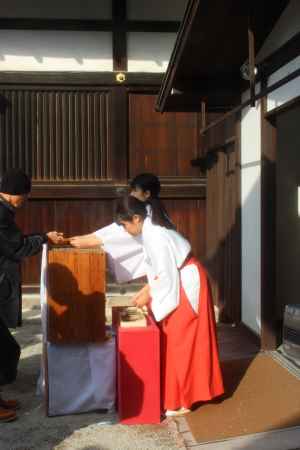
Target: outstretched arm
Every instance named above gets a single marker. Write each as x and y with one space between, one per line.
85 241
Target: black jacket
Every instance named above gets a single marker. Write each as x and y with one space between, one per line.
14 246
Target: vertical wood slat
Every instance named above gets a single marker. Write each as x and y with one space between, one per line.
64 133
84 148
104 142
96 115
45 137
58 136
55 135
13 126
27 138
20 137
71 137
2 131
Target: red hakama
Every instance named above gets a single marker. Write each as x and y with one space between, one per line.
190 361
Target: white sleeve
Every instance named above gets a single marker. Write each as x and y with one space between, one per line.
125 252
164 288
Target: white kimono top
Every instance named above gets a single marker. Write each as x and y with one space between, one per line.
165 251
125 252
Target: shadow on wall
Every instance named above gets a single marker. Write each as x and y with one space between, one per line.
236 288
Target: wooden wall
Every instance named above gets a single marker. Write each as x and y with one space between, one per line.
82 144
223 252
287 218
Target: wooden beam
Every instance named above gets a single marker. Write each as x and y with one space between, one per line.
153 26
161 26
181 40
65 80
171 187
119 35
55 24
251 45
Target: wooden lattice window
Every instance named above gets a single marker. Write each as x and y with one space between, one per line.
55 134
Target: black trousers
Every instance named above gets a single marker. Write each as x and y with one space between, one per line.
9 355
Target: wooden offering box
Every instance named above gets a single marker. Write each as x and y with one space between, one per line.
75 295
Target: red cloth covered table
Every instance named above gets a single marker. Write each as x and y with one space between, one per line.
138 374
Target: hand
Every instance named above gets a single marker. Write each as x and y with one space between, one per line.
75 242
141 298
55 238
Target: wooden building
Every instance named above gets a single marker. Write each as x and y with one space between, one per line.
238 63
78 84
78 92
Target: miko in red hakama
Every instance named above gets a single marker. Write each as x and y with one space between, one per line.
190 361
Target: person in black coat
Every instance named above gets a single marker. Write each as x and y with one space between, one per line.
14 246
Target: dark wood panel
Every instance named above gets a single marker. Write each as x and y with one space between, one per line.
189 216
163 144
75 217
223 256
118 169
71 217
287 231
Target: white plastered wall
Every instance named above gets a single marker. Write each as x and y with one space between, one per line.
81 51
251 218
35 50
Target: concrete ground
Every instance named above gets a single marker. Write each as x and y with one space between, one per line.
34 431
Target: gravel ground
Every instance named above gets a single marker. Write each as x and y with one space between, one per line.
92 431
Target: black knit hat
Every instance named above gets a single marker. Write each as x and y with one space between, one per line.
15 182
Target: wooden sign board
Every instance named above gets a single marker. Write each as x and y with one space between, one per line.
76 287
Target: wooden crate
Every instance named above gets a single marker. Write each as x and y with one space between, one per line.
75 295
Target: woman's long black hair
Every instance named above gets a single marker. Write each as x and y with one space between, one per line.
129 206
150 182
